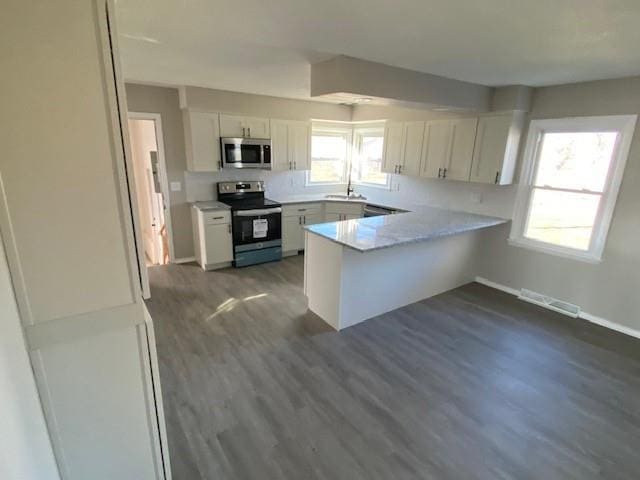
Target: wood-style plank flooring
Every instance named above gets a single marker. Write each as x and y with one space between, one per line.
471 384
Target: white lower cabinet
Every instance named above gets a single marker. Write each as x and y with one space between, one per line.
292 235
337 211
294 218
212 238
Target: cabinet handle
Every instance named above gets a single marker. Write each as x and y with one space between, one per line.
249 132
290 165
444 173
304 219
218 218
399 168
219 165
439 172
497 177
229 227
302 209
295 165
243 132
299 220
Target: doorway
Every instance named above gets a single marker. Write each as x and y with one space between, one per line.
150 177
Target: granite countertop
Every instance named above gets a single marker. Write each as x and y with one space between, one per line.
423 223
292 199
211 205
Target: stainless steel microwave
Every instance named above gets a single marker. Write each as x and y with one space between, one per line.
246 152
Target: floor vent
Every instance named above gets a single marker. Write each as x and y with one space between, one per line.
549 302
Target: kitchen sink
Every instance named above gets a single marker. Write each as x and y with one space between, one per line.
346 197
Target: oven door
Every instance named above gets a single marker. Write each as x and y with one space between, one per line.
261 228
243 153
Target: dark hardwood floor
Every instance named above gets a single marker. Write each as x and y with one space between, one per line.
471 384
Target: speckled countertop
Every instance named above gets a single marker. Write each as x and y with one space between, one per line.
423 223
291 199
211 205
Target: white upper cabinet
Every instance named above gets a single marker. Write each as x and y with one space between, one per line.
412 151
280 145
463 135
447 149
435 148
393 147
300 145
290 145
403 147
496 148
202 141
242 126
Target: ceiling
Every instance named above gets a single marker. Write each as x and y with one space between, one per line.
266 46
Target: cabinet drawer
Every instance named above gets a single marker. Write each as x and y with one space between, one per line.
347 208
216 217
301 209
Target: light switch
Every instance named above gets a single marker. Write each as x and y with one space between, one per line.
176 186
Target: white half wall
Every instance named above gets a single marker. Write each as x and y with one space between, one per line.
25 448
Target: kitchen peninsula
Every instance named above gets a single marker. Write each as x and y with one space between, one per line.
357 269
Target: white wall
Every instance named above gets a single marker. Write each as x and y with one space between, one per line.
25 449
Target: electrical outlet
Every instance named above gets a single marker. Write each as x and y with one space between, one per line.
176 186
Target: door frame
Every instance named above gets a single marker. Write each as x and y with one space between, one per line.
162 171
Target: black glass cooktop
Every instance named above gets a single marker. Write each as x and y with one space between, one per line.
250 203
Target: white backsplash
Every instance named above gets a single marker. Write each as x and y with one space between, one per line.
202 186
463 196
405 191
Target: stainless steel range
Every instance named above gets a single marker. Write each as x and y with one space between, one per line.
256 222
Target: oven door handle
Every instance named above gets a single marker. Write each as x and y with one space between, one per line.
257 212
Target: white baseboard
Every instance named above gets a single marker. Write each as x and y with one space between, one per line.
583 315
184 260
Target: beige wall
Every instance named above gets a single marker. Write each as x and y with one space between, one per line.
609 289
165 101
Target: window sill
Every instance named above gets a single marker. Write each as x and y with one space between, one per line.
549 249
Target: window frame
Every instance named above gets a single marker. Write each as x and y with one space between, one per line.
320 129
624 125
358 133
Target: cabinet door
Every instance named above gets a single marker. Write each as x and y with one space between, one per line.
279 146
463 135
393 147
413 136
256 127
219 244
489 151
312 219
232 126
202 141
300 145
292 238
435 148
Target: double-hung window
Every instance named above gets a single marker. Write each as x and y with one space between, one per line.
330 150
570 179
366 166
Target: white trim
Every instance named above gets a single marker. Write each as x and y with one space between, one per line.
358 132
184 260
164 179
624 125
582 315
